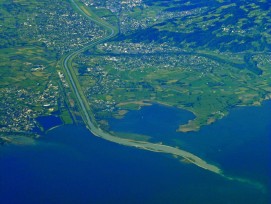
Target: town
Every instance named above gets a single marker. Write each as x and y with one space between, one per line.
134 15
21 107
161 53
38 40
59 27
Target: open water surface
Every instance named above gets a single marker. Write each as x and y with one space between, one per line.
240 143
70 165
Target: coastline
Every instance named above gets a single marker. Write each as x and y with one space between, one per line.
91 123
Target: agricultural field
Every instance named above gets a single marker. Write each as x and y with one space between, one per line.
28 85
234 26
34 37
203 56
207 87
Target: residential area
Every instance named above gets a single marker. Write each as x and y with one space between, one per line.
22 106
64 30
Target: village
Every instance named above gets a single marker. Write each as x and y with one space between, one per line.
22 106
64 30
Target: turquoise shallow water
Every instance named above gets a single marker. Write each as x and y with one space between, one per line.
70 165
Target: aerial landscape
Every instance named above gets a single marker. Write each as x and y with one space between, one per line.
135 101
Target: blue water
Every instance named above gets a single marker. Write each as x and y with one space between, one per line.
48 122
239 143
70 165
156 120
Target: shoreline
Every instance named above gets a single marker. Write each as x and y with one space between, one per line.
97 131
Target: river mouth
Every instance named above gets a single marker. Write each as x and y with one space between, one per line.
95 130
238 144
70 165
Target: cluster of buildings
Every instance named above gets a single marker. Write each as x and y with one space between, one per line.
61 28
123 47
20 107
134 14
110 73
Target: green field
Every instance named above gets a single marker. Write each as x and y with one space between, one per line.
203 57
30 86
206 57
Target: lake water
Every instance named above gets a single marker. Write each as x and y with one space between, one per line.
48 122
70 165
240 143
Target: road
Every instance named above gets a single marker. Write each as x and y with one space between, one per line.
107 136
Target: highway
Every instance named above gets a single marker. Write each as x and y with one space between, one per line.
107 136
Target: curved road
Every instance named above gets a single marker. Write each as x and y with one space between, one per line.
107 136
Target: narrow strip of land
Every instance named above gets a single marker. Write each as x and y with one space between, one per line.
91 125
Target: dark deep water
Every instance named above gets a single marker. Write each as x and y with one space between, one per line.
48 122
240 143
69 165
